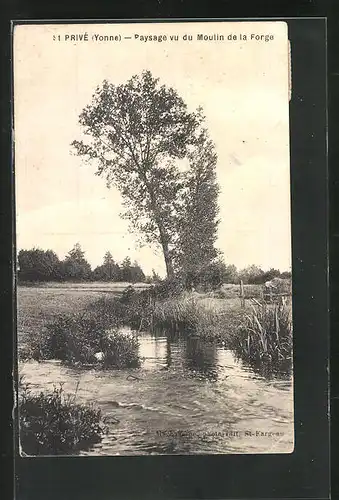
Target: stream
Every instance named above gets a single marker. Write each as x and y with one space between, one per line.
188 397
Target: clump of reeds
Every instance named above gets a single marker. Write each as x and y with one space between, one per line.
264 338
53 423
186 313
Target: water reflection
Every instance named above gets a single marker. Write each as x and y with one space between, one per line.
268 371
201 358
196 357
168 353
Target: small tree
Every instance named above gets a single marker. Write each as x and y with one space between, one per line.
137 273
270 275
231 274
75 265
155 277
126 270
212 276
251 274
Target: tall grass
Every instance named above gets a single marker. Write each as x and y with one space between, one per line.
264 338
53 423
186 314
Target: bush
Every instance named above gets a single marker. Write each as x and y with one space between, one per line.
264 338
132 308
53 423
88 339
73 338
120 350
167 288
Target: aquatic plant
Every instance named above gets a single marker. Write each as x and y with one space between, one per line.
53 423
264 338
186 313
120 349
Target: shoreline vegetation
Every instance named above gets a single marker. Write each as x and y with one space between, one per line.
104 332
53 422
259 331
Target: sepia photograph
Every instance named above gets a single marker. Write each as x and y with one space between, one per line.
153 238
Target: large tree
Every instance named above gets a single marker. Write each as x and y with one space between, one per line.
198 221
134 133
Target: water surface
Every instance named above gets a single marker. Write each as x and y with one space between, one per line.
188 397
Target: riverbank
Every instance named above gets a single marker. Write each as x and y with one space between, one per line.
188 359
259 333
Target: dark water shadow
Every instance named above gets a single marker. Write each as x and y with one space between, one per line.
195 356
267 369
200 358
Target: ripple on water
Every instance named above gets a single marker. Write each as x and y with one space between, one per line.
185 399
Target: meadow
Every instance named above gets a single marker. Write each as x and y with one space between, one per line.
39 304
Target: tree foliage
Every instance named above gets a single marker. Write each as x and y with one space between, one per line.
41 265
136 130
75 266
198 224
108 271
251 274
255 275
38 265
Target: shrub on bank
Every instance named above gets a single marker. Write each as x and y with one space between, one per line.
87 339
120 349
52 423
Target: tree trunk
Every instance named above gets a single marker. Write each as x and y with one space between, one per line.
166 251
168 260
162 232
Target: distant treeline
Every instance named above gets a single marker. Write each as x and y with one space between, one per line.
45 265
41 265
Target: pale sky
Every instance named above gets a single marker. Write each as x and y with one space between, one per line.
243 89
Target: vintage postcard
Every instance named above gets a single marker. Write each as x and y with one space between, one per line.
153 237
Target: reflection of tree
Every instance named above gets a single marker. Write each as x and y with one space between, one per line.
168 353
201 357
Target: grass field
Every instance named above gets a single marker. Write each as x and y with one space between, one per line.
95 286
38 304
